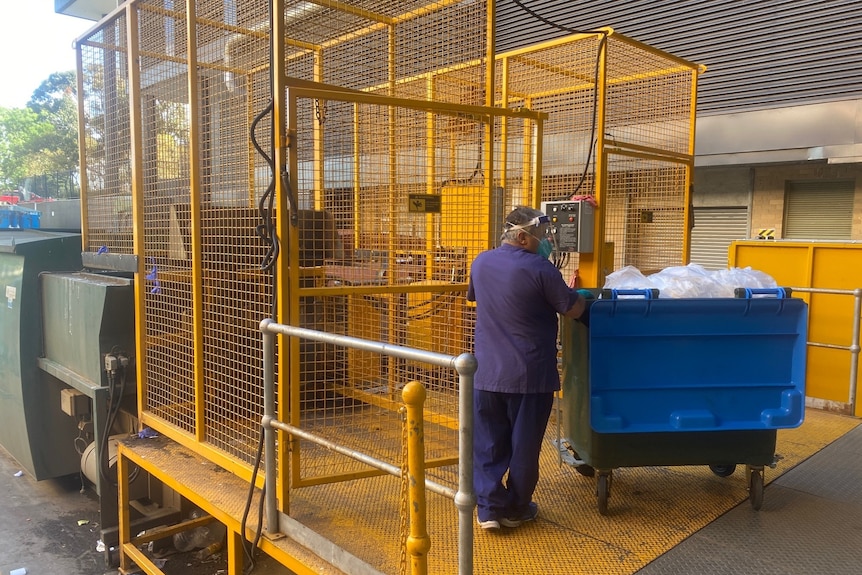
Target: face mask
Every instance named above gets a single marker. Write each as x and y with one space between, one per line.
545 248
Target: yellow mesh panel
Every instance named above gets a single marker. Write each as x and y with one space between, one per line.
202 189
644 213
107 167
636 99
166 197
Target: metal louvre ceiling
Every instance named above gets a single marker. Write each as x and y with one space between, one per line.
759 53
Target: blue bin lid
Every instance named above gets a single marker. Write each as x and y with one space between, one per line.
665 365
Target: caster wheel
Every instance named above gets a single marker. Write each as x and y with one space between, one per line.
723 470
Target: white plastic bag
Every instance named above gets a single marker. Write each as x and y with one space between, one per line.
691 281
628 277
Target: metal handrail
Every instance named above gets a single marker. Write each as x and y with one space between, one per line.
465 364
853 348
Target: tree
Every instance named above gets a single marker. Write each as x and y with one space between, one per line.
55 102
21 132
53 92
41 139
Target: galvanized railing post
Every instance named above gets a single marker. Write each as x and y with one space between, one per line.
465 499
465 364
854 348
271 502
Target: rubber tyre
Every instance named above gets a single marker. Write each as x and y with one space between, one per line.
724 470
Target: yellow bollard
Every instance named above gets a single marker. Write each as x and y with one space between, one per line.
418 543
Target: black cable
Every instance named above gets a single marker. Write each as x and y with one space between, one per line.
266 229
250 552
602 44
106 432
115 399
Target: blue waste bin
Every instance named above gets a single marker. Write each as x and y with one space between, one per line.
683 382
30 219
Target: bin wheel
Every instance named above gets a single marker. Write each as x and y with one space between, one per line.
603 492
723 470
755 489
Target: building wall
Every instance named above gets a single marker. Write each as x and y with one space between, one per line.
722 187
744 44
767 210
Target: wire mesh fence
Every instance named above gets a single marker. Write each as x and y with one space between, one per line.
397 177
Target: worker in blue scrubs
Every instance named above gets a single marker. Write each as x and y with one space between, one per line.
518 294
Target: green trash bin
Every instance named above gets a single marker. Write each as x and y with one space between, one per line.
34 430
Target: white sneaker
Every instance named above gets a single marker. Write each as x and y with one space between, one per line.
490 524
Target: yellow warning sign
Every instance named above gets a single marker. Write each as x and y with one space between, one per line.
766 234
424 204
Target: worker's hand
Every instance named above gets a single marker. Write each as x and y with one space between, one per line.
587 294
577 308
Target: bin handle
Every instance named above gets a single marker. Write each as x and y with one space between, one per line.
747 293
780 293
647 293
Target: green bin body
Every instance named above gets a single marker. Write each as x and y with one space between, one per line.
34 430
607 451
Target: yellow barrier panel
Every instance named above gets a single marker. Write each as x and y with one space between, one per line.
818 265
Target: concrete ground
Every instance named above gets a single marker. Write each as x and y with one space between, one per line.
47 526
52 528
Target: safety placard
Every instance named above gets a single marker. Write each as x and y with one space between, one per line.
424 204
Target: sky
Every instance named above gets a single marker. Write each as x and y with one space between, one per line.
34 43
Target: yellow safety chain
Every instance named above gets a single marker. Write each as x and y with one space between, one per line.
405 503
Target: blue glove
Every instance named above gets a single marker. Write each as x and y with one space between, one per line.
586 294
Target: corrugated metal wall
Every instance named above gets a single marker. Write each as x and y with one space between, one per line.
759 53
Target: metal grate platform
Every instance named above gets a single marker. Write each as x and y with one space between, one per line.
661 520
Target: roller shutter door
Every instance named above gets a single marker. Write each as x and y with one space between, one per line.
818 210
714 229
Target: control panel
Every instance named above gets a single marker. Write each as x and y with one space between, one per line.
572 224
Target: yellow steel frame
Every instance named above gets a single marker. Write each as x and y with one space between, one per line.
185 419
291 274
655 66
195 276
426 126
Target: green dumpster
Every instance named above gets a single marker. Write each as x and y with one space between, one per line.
34 430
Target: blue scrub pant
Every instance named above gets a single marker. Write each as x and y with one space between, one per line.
507 435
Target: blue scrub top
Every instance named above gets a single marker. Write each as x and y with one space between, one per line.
518 295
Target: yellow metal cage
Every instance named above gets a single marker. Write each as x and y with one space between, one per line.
363 221
621 129
348 191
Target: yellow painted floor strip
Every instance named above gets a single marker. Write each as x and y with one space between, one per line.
651 509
